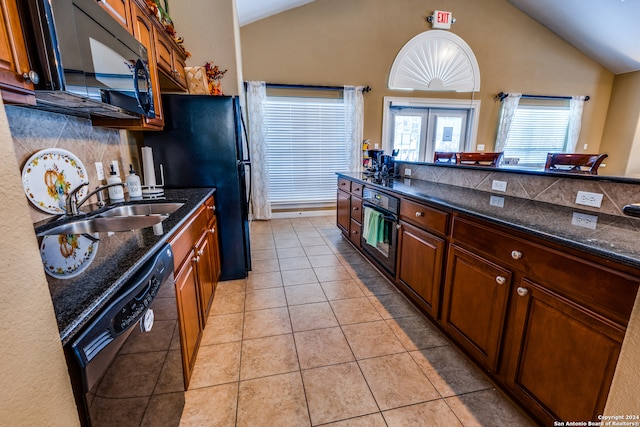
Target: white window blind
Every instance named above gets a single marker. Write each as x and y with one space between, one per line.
306 146
535 131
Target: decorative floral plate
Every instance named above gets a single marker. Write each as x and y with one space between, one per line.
67 255
49 176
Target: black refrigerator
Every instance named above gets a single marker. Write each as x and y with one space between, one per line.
202 145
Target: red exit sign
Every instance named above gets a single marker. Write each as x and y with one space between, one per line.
442 19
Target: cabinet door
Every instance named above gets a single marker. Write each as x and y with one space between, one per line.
170 64
420 265
14 63
206 284
189 315
565 355
215 250
143 32
120 10
344 211
475 303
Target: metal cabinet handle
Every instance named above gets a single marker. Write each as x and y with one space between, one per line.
398 226
501 280
211 208
200 253
516 254
355 208
419 214
31 76
354 232
212 230
195 259
523 292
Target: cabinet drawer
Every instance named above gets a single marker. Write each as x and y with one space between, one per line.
355 232
344 185
183 241
356 189
356 209
599 288
424 216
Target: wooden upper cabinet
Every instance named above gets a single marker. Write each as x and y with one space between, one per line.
171 62
143 31
120 10
14 62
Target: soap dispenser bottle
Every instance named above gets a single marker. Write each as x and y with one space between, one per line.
133 183
116 193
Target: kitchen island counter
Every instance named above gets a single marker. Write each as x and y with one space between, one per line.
610 237
103 266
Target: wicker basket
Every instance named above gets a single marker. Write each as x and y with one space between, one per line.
197 80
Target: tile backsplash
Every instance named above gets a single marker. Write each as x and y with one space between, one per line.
550 189
34 130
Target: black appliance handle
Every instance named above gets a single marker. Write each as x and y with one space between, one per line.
144 99
385 213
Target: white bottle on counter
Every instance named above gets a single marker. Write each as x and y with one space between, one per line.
116 193
133 183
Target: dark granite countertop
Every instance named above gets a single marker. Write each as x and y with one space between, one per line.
117 257
615 238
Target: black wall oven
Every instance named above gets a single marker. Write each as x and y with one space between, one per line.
126 364
379 235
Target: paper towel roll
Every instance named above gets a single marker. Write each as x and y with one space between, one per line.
148 167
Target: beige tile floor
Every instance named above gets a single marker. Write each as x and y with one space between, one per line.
316 336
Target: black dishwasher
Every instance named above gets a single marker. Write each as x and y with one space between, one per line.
126 364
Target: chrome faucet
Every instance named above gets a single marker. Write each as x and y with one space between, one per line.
73 204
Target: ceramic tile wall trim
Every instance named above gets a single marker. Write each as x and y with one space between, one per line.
34 130
549 189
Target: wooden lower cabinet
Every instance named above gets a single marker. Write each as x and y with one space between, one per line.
420 262
197 271
475 305
564 355
344 211
189 315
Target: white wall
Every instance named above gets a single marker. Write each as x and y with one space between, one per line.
34 381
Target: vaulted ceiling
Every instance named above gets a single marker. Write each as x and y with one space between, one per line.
605 30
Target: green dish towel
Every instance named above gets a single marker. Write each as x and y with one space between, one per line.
373 227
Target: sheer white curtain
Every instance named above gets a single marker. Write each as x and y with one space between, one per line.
509 107
256 97
576 104
354 126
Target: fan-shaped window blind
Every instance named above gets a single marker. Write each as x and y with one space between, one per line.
438 61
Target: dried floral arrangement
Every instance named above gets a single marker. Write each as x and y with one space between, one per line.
214 75
163 17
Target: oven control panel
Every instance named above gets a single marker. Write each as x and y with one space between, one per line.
383 201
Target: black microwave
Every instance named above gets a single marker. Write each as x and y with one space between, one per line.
85 62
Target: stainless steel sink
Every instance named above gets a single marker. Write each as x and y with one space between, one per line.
140 209
90 225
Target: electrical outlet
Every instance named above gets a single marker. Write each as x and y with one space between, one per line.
499 185
496 201
100 170
116 167
584 220
407 172
589 199
480 147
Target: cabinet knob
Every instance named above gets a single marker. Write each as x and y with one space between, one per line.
212 230
354 232
501 280
31 76
355 208
523 292
398 226
200 253
419 214
211 208
195 259
516 254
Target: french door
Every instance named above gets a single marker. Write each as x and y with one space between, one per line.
417 132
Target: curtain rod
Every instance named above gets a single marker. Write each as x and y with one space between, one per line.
292 86
501 96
